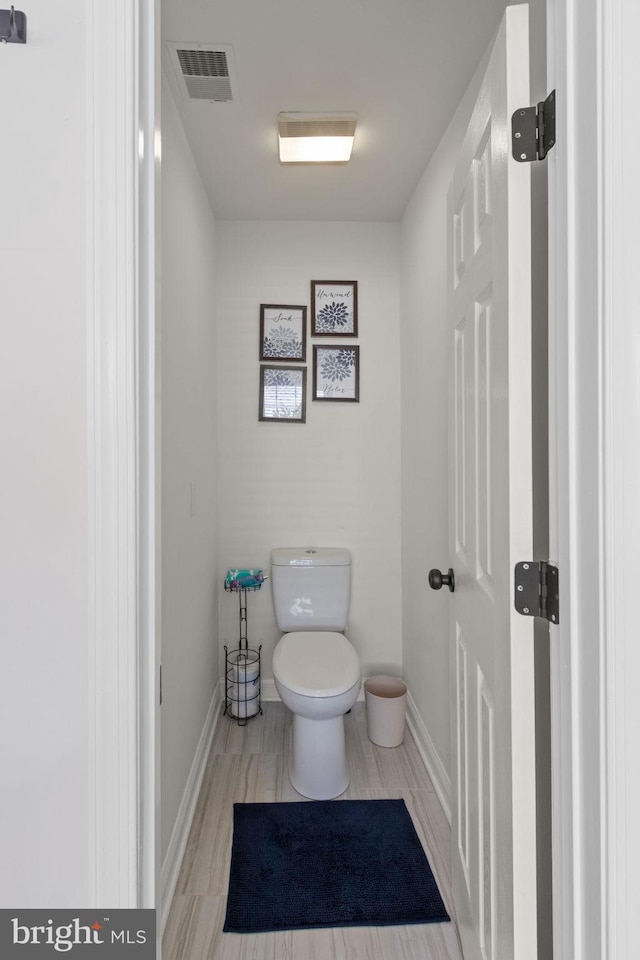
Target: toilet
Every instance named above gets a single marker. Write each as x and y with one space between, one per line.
315 668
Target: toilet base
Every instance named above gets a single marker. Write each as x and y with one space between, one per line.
318 761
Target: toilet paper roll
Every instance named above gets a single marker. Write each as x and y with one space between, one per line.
244 698
245 672
244 688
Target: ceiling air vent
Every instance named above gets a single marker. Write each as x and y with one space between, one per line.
204 71
316 125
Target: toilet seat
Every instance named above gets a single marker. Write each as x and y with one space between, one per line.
316 663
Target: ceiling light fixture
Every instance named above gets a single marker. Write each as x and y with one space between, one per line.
316 137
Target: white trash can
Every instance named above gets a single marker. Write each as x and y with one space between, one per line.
386 703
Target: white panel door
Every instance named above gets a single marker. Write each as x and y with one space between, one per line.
493 825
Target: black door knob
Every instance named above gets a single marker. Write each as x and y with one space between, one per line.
438 579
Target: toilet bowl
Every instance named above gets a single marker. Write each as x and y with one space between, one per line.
315 669
317 675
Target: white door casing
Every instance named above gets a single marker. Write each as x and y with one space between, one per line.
595 475
494 816
122 40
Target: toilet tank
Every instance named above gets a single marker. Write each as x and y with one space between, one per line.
311 588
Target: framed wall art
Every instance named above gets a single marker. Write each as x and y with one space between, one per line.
334 308
283 332
336 373
283 392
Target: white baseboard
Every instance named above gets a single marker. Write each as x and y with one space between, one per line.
180 834
268 690
435 767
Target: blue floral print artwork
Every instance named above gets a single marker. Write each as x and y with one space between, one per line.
335 308
336 373
337 364
274 377
282 342
332 317
282 332
282 393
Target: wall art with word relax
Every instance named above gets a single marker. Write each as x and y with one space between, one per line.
336 373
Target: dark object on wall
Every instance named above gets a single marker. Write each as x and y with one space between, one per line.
283 392
336 373
283 332
334 308
13 26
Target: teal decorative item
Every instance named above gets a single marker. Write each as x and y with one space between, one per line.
242 665
244 579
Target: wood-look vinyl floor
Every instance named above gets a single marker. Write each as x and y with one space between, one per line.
249 764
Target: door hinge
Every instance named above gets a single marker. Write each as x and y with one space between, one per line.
13 26
533 130
536 590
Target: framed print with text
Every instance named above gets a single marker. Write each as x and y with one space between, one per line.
334 308
336 373
283 332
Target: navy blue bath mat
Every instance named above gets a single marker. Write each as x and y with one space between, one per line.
342 863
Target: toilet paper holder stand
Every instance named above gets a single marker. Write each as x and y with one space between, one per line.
242 666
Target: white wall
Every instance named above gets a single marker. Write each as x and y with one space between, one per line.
334 480
44 829
189 485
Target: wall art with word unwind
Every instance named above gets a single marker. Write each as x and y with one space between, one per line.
334 308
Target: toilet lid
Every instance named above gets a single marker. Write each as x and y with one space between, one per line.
316 664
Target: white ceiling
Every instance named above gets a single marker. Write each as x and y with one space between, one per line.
401 65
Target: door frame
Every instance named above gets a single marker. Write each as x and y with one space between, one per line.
594 476
594 455
123 419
